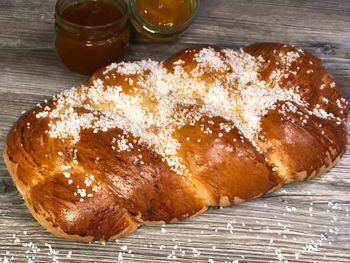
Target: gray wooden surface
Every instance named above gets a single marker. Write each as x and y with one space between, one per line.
303 222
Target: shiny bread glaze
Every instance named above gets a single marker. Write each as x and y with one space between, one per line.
87 182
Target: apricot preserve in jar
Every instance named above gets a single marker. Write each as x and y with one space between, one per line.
91 33
162 20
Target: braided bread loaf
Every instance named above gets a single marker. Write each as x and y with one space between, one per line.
147 142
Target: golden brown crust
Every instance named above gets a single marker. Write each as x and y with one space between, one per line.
150 191
90 190
301 146
228 167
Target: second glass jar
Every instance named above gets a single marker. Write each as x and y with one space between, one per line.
162 20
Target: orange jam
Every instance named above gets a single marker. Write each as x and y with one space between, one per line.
162 20
165 12
91 33
91 13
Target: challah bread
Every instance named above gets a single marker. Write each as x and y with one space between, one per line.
147 142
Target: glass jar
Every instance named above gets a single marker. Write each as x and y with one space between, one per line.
91 33
155 22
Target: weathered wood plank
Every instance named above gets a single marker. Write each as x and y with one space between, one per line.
270 220
303 222
40 72
225 22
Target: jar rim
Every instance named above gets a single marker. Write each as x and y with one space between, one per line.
59 9
161 29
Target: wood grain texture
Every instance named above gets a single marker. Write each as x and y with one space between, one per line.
303 222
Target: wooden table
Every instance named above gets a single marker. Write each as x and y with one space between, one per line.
303 222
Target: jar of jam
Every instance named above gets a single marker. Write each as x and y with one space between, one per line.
162 20
91 33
